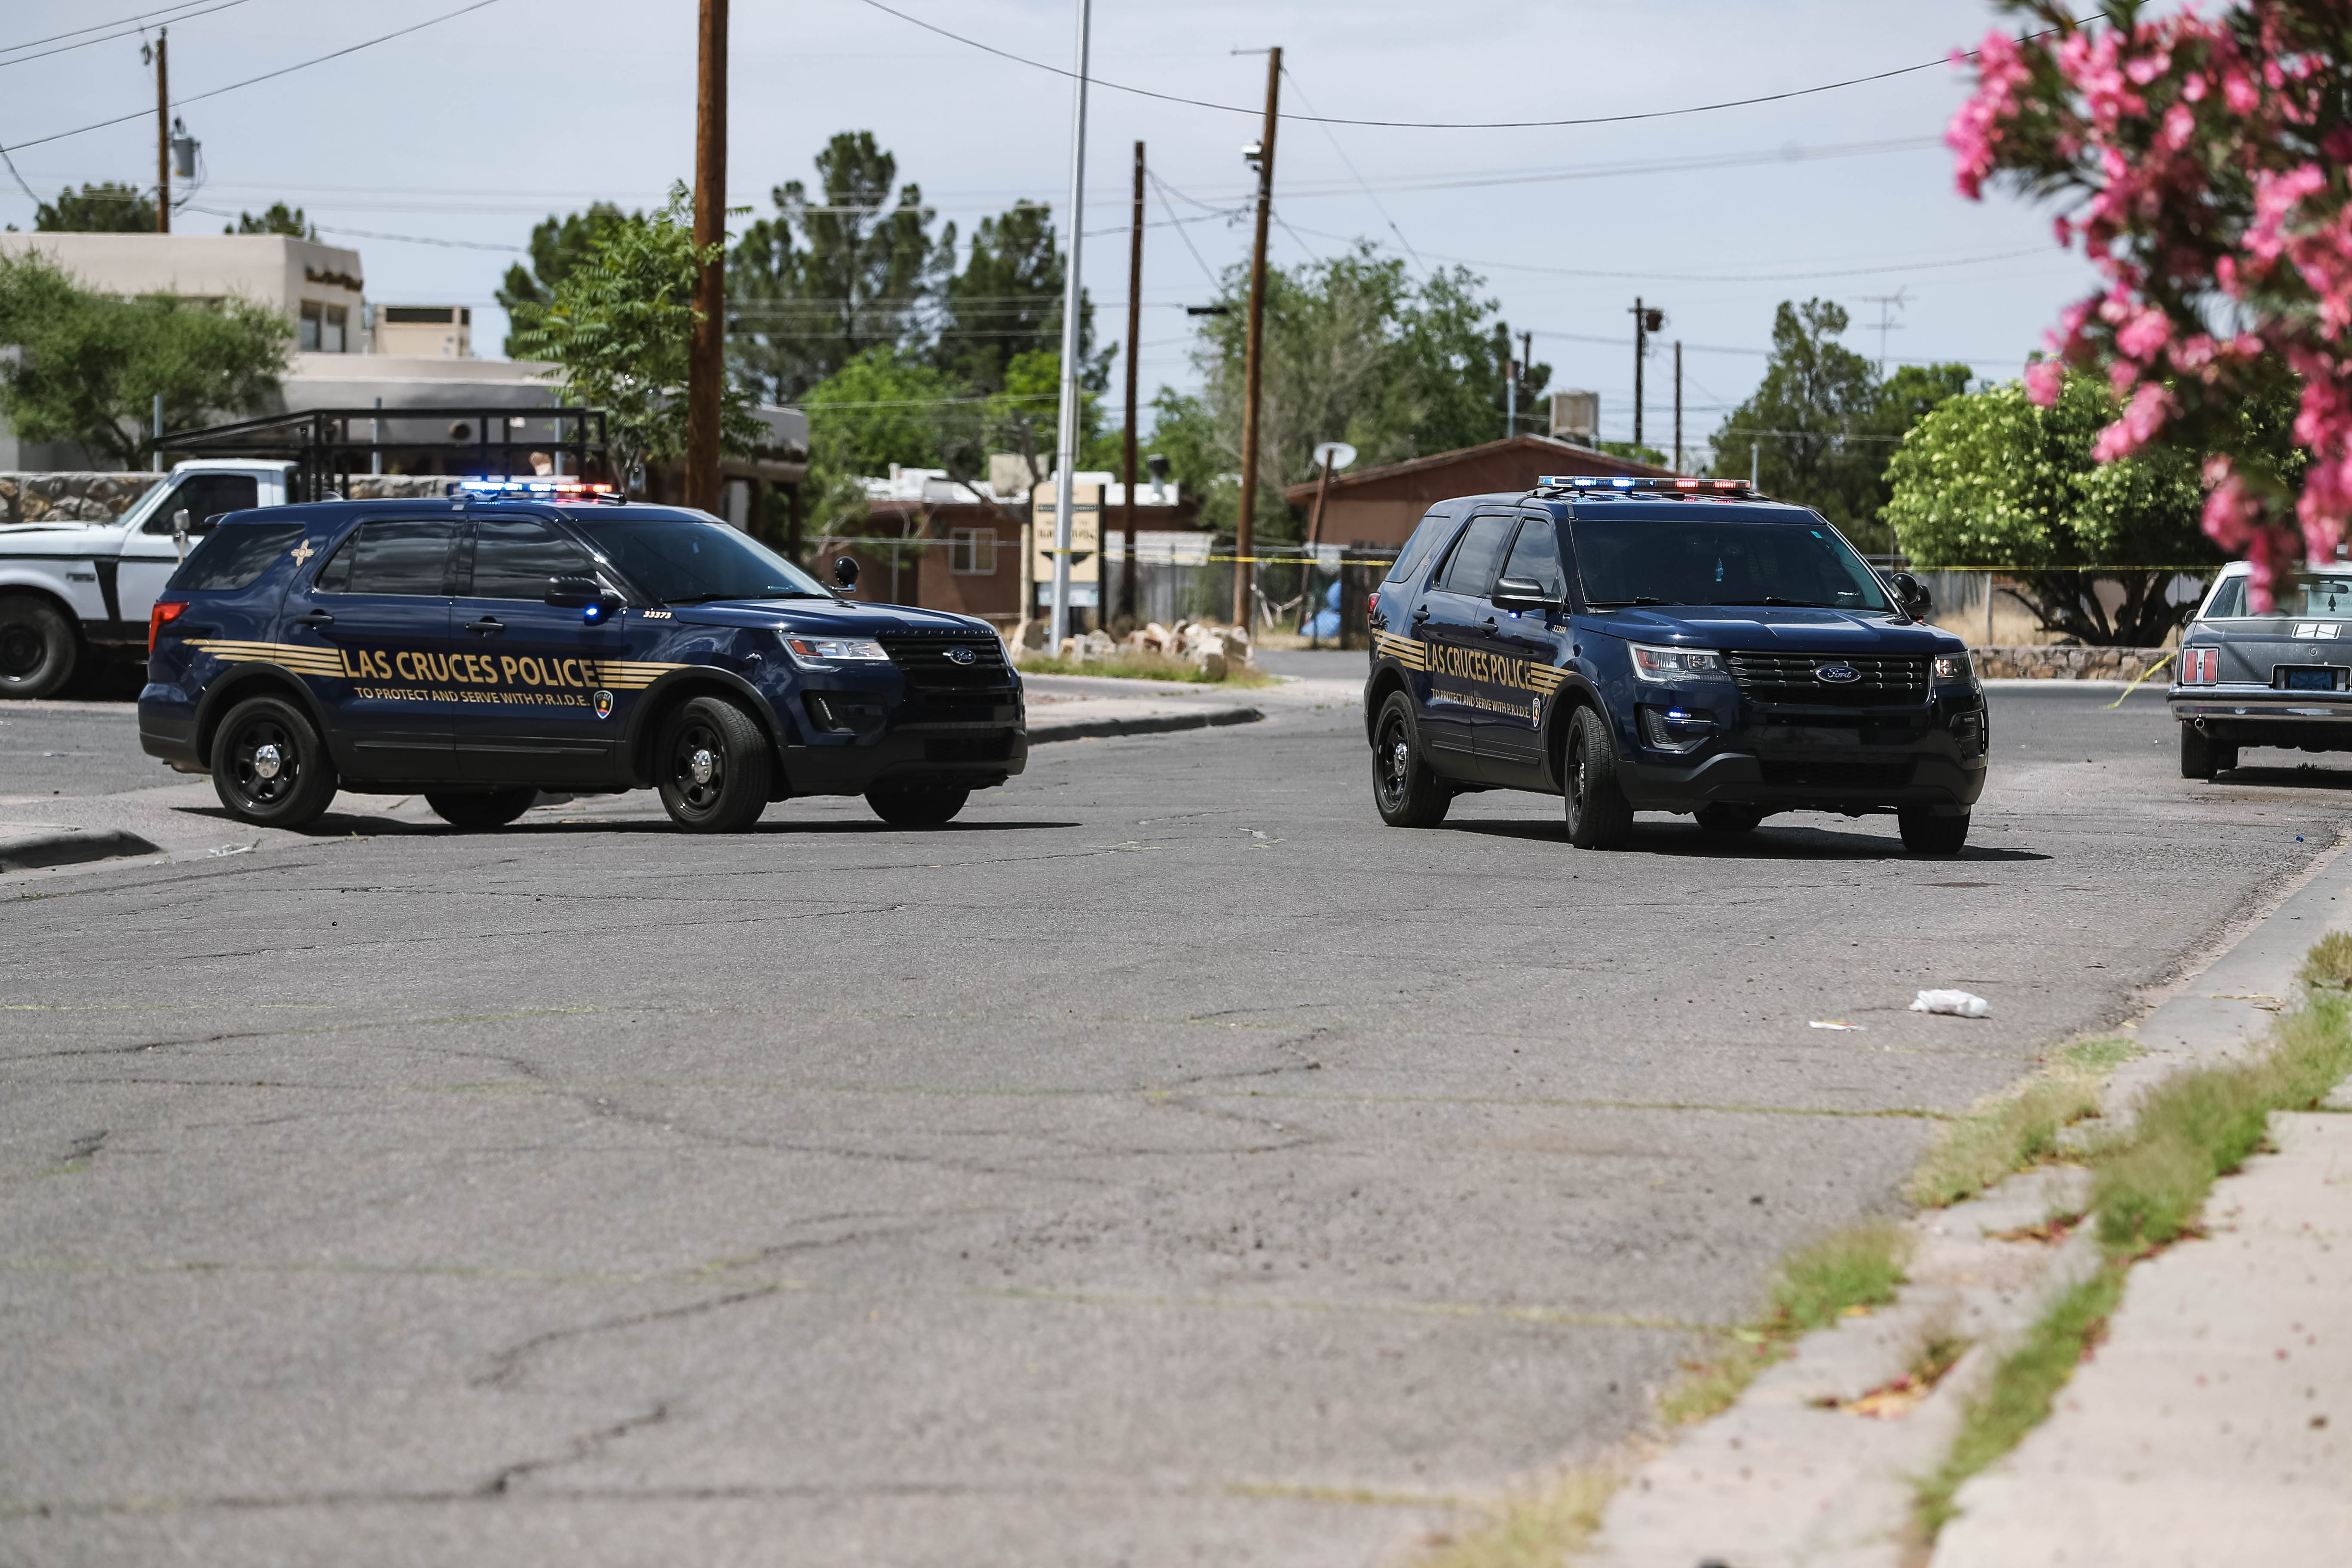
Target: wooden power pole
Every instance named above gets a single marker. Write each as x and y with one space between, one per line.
1134 338
707 348
1253 367
163 138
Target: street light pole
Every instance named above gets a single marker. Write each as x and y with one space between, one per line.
1678 405
1066 445
1253 368
707 345
1134 339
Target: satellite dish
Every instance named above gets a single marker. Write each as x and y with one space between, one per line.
1336 454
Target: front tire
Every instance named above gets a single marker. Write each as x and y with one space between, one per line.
477 810
1924 834
269 767
39 648
917 807
1599 815
1406 789
2202 756
713 766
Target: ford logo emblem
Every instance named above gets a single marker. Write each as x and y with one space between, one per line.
1837 674
960 656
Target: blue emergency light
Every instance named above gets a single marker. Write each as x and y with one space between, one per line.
1670 485
532 490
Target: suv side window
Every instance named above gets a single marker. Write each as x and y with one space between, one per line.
205 495
1535 556
1471 569
1416 550
515 556
400 555
235 557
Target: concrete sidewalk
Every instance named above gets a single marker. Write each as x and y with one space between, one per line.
2212 1426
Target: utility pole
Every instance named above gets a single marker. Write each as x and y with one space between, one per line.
1646 320
163 138
1245 527
1066 445
1510 381
1678 405
706 346
1887 304
1134 339
1527 358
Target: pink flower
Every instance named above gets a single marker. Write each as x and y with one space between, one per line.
2143 418
2147 332
2239 93
2043 379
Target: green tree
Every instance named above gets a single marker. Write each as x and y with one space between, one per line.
88 365
106 208
1824 424
1007 302
827 279
279 219
557 246
1989 479
617 329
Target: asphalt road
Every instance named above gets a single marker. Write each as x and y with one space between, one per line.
1166 1165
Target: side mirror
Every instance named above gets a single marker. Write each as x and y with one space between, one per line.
844 572
180 532
582 594
1525 593
1917 602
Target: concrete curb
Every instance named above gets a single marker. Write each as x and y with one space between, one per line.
1149 724
68 847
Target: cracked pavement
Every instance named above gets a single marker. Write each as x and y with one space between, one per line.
1166 1165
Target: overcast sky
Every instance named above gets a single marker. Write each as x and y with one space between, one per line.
468 131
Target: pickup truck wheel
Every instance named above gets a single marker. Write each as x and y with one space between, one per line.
713 764
917 807
269 767
1406 791
1924 834
2202 756
475 810
1599 816
39 648
1728 818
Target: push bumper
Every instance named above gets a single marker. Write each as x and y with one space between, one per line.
966 752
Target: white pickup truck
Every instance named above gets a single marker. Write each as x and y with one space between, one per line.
74 591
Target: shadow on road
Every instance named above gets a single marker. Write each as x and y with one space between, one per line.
1765 843
343 825
2309 775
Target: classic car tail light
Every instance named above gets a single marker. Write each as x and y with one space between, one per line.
2201 667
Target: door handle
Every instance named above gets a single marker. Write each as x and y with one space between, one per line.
489 626
315 618
1490 626
1420 615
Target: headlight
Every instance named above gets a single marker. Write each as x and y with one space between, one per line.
821 653
1664 665
1954 669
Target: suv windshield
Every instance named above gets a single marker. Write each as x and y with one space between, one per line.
1709 559
680 560
2325 596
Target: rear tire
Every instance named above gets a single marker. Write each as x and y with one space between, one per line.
477 810
1729 818
1599 816
1927 834
38 647
713 764
2202 756
933 808
1405 789
269 767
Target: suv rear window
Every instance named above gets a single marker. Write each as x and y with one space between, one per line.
235 555
1416 549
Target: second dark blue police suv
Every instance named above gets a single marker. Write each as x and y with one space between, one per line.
479 650
1665 645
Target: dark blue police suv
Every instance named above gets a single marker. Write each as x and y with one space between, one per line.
1664 645
479 650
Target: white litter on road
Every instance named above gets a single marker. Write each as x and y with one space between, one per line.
1960 1004
1834 1024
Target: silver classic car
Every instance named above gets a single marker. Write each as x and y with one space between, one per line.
2274 679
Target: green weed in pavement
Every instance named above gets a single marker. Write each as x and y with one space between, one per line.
1537 1532
2016 1129
1142 667
2329 964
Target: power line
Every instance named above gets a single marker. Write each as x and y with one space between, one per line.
184 16
1160 186
1332 137
1730 277
99 27
249 81
1434 124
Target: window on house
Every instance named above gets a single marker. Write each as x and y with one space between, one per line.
330 339
972 551
313 321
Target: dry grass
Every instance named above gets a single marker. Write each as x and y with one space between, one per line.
2006 1132
2329 965
1535 1531
1141 667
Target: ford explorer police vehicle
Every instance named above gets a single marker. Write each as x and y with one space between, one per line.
1679 645
72 590
531 636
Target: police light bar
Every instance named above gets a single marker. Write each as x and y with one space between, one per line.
536 490
1696 487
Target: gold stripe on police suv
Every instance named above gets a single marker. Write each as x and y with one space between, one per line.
319 661
1404 650
626 675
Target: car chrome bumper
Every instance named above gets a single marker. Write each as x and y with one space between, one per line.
2263 703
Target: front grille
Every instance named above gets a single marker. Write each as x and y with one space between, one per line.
1791 678
1837 775
928 668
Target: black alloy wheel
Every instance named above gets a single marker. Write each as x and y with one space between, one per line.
1406 789
475 810
917 807
39 648
713 765
269 767
1599 816
1927 834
